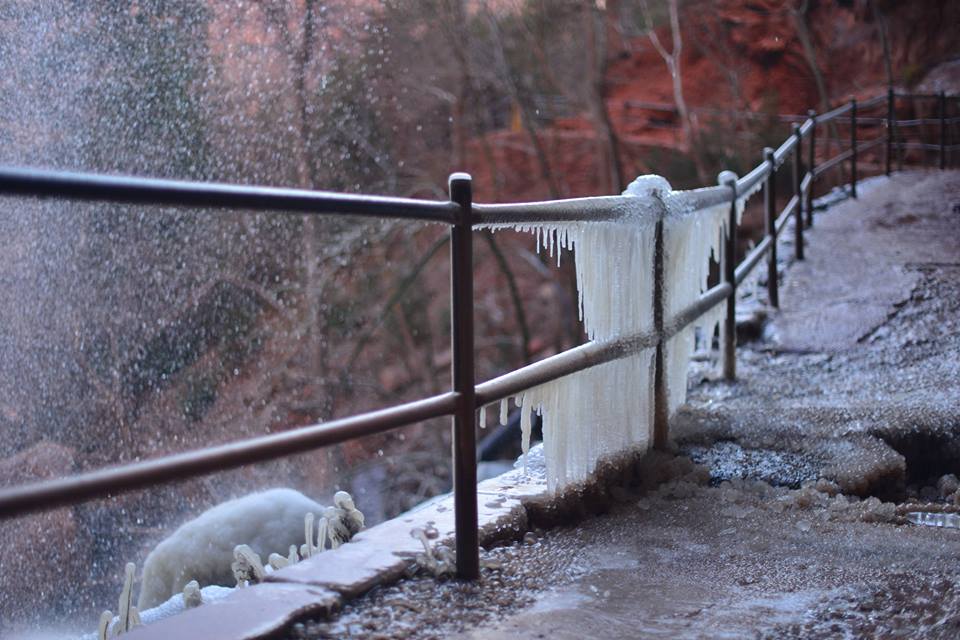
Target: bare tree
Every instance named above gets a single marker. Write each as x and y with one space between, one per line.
595 30
881 21
672 60
799 14
522 99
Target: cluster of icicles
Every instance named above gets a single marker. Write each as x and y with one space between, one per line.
608 408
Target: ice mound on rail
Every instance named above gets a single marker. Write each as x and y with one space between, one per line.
608 408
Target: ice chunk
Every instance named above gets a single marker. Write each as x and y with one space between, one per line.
951 520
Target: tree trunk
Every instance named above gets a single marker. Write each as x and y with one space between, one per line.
527 119
881 21
596 50
810 53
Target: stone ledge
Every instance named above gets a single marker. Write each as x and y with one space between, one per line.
317 586
382 553
259 611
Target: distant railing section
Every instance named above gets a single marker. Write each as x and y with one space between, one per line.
462 215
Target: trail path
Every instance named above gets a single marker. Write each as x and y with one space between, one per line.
857 380
865 349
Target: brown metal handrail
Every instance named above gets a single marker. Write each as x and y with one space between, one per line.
463 215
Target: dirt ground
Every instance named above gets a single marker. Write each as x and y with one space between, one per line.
855 383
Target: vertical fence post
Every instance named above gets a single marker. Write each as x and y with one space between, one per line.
943 130
853 148
890 116
661 412
729 336
464 419
798 212
770 206
811 164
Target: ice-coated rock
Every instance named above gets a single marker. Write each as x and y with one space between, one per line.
203 548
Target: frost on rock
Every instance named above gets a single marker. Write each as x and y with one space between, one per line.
608 408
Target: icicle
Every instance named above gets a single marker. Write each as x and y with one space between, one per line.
504 411
525 428
483 417
306 549
322 526
129 617
103 628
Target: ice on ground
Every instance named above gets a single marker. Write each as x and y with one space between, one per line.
171 607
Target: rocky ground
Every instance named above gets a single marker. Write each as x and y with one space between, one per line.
843 420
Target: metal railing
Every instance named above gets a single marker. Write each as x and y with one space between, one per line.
462 215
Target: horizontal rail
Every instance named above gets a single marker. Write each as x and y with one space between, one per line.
806 183
832 162
562 364
749 181
878 99
925 96
835 113
806 126
751 260
784 149
39 183
593 354
24 499
596 208
926 121
792 204
924 145
707 300
866 146
694 200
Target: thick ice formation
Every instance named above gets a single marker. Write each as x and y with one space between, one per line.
203 549
690 240
608 408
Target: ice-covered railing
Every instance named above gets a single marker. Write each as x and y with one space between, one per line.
641 262
609 407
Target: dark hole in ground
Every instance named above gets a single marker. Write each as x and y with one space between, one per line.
928 456
727 459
